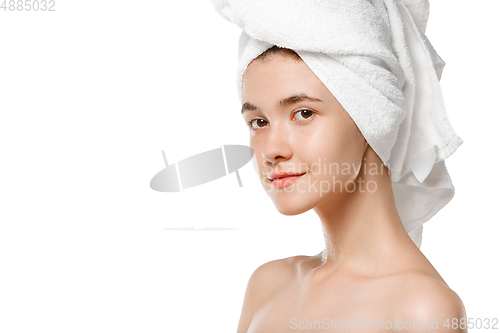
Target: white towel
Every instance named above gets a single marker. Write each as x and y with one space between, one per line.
375 59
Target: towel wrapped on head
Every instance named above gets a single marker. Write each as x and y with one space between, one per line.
375 59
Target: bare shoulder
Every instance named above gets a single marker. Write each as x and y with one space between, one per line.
424 299
268 278
265 282
284 267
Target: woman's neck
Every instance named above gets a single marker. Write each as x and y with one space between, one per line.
362 229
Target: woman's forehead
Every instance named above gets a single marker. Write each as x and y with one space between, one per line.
281 77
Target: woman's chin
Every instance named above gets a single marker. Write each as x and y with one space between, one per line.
289 206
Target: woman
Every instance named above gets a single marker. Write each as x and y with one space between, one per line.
346 118
370 269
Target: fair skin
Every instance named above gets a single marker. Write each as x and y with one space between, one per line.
370 268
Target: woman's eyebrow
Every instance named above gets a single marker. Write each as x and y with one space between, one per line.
248 107
296 98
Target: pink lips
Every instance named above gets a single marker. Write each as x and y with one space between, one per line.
285 181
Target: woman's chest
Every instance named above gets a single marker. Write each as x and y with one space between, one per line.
348 309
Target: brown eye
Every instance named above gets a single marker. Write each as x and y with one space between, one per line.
259 122
305 113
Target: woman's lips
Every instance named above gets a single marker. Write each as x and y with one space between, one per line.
285 181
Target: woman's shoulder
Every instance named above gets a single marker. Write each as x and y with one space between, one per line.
264 283
277 272
419 296
417 283
272 276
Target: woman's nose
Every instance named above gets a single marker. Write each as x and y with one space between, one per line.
277 145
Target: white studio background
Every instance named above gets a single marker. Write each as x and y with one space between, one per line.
89 96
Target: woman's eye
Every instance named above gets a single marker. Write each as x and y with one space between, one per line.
305 114
258 122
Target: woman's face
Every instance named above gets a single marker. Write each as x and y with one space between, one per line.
297 126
